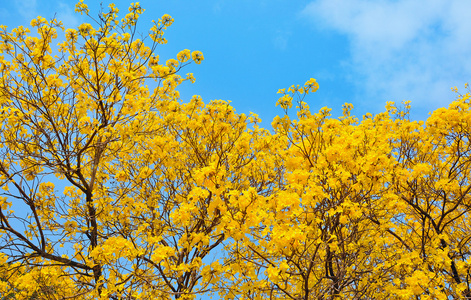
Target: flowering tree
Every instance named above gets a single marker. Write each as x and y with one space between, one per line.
369 209
111 189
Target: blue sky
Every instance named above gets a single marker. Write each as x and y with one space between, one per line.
360 51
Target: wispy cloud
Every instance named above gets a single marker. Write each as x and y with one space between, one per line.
402 49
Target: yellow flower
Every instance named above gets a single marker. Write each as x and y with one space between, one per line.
166 20
172 64
183 55
197 56
81 7
121 176
285 102
281 91
311 85
85 29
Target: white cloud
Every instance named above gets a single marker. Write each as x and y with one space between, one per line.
402 49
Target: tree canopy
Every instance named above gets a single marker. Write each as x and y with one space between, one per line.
113 187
